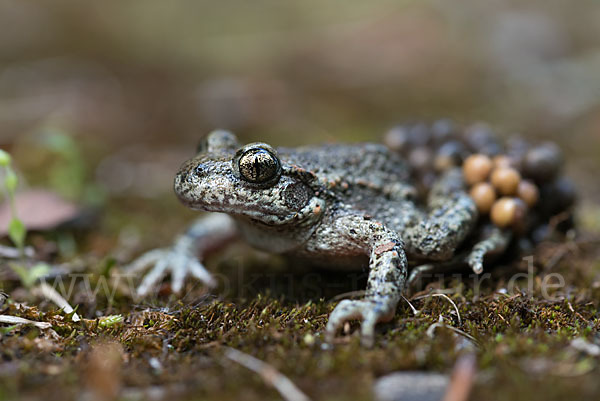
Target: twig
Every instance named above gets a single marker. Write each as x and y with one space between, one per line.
414 310
19 320
445 297
441 323
557 256
269 374
13 253
51 294
575 312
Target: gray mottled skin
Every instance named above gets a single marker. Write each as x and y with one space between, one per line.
345 205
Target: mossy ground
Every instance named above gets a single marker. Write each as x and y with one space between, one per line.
174 347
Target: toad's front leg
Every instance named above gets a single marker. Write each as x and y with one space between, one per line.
182 258
387 276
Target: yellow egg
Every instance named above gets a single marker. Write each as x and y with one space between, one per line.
503 161
477 168
484 196
528 192
507 212
506 180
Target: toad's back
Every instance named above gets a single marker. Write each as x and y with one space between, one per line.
340 166
365 178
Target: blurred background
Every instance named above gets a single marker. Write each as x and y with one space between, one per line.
101 101
127 89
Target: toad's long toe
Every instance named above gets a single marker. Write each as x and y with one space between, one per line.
180 261
370 312
495 242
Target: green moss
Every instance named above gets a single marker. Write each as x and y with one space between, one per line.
522 341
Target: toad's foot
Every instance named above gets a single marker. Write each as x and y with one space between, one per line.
184 257
180 260
370 311
495 241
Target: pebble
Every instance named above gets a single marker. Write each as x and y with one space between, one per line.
541 233
449 155
421 158
442 131
491 149
396 139
411 386
516 149
543 163
419 135
479 136
558 196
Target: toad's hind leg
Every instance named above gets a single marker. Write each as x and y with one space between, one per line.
451 217
493 241
428 270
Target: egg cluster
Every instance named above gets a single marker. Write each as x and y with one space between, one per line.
499 189
518 184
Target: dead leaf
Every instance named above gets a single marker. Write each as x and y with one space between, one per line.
39 210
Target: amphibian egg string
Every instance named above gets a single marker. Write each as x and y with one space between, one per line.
501 179
517 169
519 190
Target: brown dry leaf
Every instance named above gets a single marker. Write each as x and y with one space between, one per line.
39 210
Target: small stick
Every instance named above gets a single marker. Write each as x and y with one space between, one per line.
13 253
443 296
19 320
269 374
414 310
51 294
431 329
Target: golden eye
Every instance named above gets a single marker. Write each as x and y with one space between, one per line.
259 166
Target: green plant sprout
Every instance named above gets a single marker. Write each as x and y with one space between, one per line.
68 178
17 232
16 228
109 321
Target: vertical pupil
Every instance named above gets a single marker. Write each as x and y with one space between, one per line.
258 165
257 161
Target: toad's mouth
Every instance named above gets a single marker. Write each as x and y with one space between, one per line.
254 213
265 213
257 215
216 199
217 189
